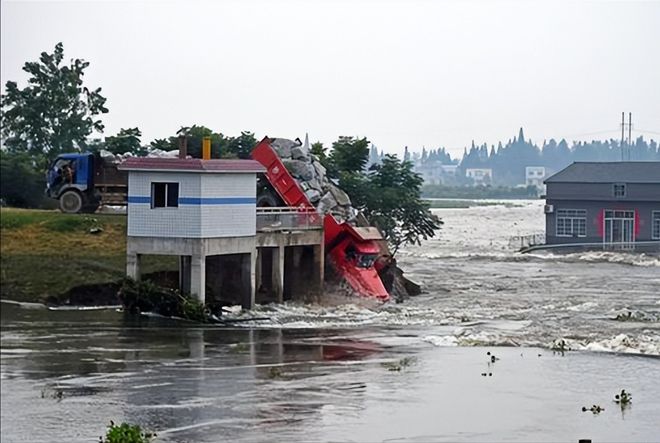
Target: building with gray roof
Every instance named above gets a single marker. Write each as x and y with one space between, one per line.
613 204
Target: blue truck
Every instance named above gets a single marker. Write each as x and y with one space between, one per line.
82 182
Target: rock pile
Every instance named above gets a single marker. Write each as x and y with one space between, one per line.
312 178
118 158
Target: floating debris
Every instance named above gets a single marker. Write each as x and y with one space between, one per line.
493 359
274 372
560 345
399 365
596 409
623 398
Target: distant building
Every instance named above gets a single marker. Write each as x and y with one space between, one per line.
616 204
534 175
480 176
433 172
449 170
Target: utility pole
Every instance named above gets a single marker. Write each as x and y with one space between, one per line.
629 134
623 125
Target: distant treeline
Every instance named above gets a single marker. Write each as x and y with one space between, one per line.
508 161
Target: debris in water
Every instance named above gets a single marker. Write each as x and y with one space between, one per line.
623 398
493 359
274 372
399 365
596 409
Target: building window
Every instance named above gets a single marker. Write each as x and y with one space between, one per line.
655 226
571 222
164 195
619 190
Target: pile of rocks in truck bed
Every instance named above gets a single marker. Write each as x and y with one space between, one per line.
312 178
118 158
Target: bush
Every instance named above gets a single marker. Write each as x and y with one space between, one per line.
22 184
145 296
125 433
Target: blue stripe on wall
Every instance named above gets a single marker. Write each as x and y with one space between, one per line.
201 201
136 199
217 200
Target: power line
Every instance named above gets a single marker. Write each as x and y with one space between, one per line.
605 131
646 131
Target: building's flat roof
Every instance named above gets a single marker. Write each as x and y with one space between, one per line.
608 172
191 165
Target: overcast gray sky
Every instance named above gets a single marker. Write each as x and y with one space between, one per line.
416 73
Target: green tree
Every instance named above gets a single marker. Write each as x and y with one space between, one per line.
242 145
391 201
22 185
349 154
389 194
54 113
221 145
126 140
164 144
319 151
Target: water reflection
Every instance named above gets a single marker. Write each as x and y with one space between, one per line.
173 377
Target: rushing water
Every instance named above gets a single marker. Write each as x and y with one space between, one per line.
317 373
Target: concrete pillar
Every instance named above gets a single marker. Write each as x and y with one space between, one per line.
133 265
248 275
278 274
184 274
198 277
319 268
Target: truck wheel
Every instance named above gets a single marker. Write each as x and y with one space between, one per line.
266 199
71 202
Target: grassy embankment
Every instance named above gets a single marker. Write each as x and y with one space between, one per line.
54 257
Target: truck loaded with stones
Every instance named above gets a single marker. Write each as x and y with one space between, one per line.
357 254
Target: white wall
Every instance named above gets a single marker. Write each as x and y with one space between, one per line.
229 220
193 220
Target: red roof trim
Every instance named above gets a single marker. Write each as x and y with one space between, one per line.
190 165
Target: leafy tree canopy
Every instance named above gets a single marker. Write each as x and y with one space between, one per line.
126 140
54 113
348 155
221 146
388 193
22 184
394 205
319 151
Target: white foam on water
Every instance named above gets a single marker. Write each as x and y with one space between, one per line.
22 304
621 343
300 316
446 340
586 306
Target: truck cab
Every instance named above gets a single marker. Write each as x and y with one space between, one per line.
69 179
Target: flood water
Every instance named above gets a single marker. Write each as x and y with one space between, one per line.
333 371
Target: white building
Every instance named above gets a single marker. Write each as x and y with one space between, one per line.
480 176
534 176
449 170
192 208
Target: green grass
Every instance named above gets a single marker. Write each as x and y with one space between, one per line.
45 254
12 219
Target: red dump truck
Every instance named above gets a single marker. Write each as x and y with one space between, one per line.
352 250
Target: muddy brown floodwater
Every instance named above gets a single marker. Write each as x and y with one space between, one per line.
351 371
